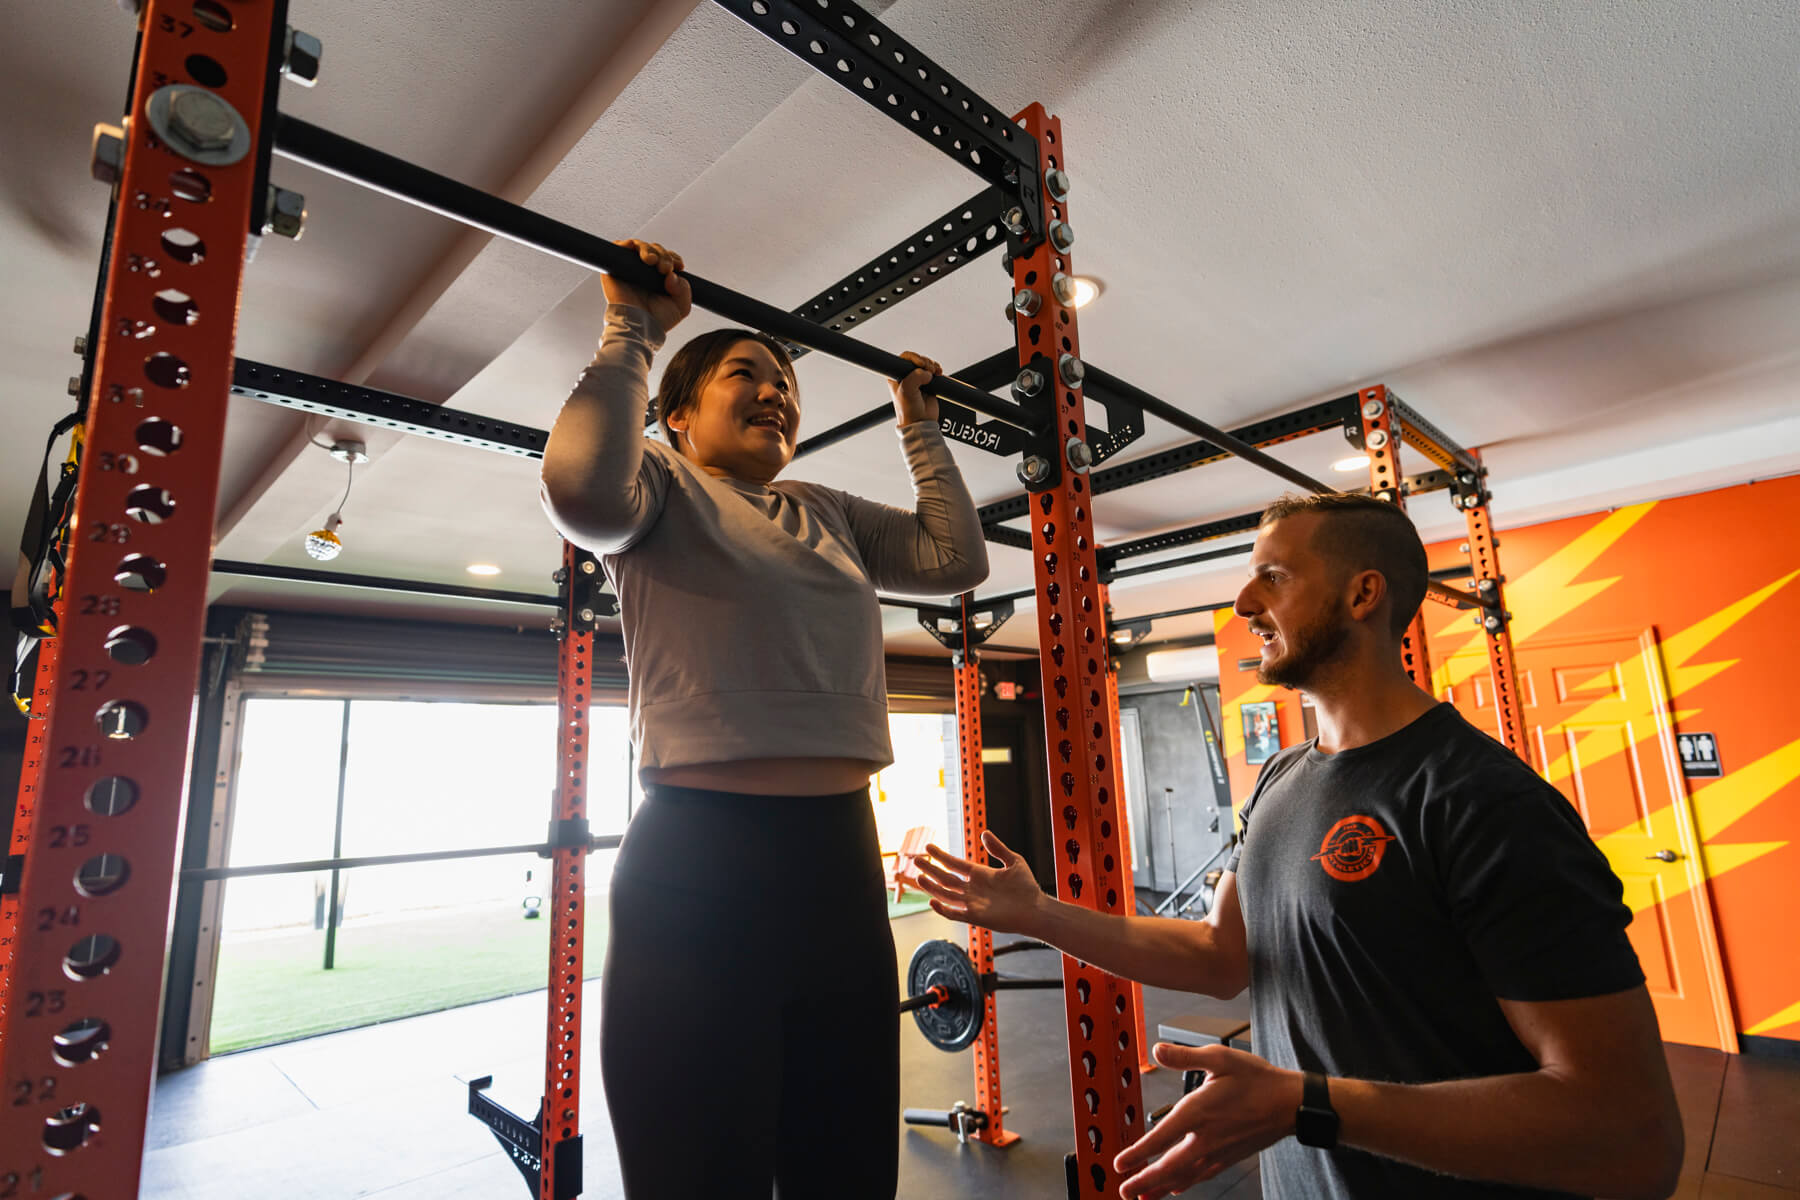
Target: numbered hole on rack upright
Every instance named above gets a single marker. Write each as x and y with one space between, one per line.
190 185
158 437
130 645
91 957
214 16
80 1042
69 1129
167 370
205 70
175 306
121 720
140 573
183 245
102 875
150 504
113 796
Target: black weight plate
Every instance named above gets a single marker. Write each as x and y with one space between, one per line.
956 1023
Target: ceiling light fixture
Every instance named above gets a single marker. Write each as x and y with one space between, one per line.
483 569
1127 634
324 544
1355 462
1086 289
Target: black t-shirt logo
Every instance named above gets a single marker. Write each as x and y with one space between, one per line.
1352 848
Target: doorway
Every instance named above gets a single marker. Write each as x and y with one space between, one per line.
1598 726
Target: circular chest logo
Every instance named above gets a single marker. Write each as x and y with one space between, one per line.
1352 848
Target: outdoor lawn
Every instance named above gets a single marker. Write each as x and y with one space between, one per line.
273 987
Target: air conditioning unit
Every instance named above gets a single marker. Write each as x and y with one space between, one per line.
1189 664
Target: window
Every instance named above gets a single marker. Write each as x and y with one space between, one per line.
403 938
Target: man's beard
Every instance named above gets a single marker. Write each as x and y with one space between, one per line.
1308 648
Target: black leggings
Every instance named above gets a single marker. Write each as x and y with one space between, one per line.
748 1036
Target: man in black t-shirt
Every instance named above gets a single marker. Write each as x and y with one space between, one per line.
1443 998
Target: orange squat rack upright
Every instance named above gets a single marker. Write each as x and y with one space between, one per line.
86 883
79 1030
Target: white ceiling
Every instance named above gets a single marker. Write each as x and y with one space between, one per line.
1569 234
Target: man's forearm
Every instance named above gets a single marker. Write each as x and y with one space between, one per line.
1161 951
1533 1129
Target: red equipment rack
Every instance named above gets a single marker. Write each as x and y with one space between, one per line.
967 664
1103 1020
100 807
80 1025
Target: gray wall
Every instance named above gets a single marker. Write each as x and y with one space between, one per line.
1190 817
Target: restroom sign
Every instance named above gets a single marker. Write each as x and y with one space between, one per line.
1699 755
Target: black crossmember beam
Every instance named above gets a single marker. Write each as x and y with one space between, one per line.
250 570
1182 419
371 168
1429 440
952 241
1208 531
1186 560
1151 618
601 599
388 410
1000 535
883 69
1187 536
1314 418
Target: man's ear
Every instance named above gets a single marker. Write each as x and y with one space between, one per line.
1366 593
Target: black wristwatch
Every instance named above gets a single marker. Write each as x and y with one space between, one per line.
1316 1124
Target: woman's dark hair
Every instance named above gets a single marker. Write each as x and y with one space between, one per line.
694 364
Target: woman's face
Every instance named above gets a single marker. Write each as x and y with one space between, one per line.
746 421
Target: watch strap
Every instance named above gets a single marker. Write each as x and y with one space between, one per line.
1316 1124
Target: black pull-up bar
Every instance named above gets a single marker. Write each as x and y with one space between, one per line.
371 168
1199 428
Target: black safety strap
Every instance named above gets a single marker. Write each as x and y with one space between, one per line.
40 556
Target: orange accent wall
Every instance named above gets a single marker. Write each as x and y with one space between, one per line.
1717 575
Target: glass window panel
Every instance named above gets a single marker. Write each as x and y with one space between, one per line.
612 775
415 938
442 776
285 801
911 792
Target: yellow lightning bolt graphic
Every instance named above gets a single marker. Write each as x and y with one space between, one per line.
1786 1016
1540 596
1717 806
1682 677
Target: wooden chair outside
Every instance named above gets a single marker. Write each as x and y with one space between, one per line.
899 863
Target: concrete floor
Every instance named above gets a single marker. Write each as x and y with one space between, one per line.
382 1111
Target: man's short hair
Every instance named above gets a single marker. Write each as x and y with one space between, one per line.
1360 533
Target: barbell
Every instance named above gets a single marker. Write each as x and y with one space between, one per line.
947 997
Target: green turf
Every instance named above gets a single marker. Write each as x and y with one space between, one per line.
275 988
911 903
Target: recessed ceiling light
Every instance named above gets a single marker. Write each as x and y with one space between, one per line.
1086 289
1355 462
483 569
